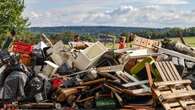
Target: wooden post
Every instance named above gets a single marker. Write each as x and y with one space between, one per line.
148 69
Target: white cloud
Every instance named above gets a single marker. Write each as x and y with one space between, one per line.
170 2
30 2
34 15
124 15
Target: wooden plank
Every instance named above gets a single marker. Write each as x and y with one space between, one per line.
168 88
164 72
164 66
175 71
179 77
166 106
180 101
171 70
149 74
130 84
175 104
176 89
107 69
160 71
178 95
172 83
183 104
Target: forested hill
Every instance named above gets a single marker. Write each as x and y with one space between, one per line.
93 29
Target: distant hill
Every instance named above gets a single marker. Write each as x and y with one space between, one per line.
92 29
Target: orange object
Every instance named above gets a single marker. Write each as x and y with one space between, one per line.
21 47
25 59
122 45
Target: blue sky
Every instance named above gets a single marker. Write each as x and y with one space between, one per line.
131 13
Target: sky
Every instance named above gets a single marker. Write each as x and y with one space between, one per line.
128 13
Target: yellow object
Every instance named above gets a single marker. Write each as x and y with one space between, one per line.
139 66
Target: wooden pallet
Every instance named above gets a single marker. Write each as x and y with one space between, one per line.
140 42
173 92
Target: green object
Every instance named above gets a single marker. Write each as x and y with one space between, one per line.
6 43
105 103
141 65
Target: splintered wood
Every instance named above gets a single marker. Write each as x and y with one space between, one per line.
173 92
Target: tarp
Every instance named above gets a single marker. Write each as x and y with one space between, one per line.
40 45
14 85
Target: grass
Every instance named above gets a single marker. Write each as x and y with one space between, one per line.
189 40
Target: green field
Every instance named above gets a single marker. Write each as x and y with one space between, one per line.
189 40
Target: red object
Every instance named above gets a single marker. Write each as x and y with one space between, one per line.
122 45
56 83
21 47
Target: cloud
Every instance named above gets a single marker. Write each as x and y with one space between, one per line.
88 12
170 2
148 16
30 2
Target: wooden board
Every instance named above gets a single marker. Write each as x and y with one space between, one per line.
173 92
140 42
177 95
172 83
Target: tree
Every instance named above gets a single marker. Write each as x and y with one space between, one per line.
11 16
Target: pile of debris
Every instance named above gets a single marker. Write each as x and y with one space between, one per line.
91 76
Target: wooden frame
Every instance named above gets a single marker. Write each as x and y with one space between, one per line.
172 92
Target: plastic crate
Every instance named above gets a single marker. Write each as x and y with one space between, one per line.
21 47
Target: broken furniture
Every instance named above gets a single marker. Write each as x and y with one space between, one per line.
50 68
172 92
87 57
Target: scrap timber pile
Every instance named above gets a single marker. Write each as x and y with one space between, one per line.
150 75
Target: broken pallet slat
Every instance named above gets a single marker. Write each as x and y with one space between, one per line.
176 105
172 83
177 95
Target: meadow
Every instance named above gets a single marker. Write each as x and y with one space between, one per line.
189 41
